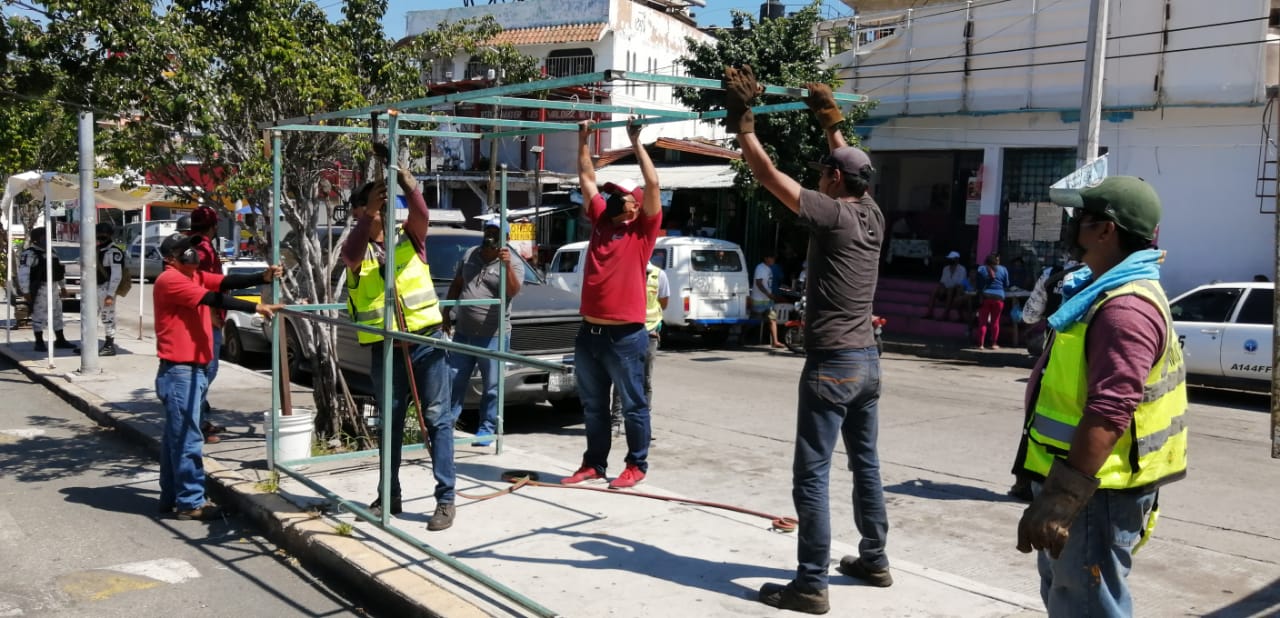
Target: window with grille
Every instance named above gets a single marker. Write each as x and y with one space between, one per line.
1028 172
566 62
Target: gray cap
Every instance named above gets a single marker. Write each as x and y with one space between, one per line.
847 159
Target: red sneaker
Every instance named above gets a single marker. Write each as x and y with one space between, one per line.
585 473
628 478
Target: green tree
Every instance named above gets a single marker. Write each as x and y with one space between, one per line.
191 81
782 52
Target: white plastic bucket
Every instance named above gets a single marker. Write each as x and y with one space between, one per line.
295 435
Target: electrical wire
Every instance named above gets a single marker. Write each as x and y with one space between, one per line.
1049 45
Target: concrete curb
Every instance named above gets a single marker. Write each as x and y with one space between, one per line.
1004 357
346 561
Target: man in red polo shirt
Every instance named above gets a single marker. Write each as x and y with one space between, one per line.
183 298
612 344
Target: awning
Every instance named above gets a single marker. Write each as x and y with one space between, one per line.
718 176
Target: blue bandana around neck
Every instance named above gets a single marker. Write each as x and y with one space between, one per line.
1081 290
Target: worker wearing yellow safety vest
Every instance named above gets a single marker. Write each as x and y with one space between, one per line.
365 253
657 293
1107 406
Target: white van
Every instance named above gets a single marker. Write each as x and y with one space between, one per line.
709 281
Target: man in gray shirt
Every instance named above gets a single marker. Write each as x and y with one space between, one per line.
840 384
477 325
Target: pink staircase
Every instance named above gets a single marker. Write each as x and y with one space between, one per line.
904 301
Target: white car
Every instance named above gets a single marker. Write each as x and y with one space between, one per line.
1225 330
243 332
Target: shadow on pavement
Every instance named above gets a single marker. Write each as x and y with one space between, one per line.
45 457
602 551
1249 401
922 488
1263 602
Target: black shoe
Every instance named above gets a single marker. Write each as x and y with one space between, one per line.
376 506
63 344
107 350
1021 491
794 599
443 517
857 569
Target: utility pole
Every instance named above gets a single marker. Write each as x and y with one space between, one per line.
1275 311
88 251
1095 60
493 148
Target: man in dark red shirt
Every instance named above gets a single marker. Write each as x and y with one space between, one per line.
612 344
204 228
183 298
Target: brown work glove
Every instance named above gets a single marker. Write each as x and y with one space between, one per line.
740 88
823 105
1046 524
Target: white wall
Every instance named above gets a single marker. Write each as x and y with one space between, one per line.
1226 75
1202 161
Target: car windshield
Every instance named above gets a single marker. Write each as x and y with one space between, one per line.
67 253
444 251
245 270
716 261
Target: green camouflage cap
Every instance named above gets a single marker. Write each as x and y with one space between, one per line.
1128 200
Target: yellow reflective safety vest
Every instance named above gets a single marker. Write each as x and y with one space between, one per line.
653 310
1154 449
366 296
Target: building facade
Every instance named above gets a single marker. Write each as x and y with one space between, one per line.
978 109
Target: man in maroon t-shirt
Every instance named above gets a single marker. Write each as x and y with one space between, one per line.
204 228
612 344
183 298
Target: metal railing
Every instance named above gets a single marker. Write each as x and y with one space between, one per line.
562 66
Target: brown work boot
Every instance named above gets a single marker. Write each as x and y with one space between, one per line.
443 517
205 512
794 599
854 567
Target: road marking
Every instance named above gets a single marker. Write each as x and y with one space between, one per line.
24 433
9 610
107 582
10 531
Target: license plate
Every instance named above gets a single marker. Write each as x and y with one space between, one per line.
560 382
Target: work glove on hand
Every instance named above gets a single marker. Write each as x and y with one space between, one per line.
740 88
823 105
1046 524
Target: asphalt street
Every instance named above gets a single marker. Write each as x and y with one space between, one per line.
79 535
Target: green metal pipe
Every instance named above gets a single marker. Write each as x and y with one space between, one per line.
277 201
503 324
388 318
716 84
486 122
313 128
458 97
453 563
584 107
442 343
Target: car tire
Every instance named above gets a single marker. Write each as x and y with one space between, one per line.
298 364
232 346
568 405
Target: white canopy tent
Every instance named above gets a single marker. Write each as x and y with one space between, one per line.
53 187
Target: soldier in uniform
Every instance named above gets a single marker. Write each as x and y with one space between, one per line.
31 280
110 274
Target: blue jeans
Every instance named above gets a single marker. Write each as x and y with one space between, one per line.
839 395
431 375
181 388
606 356
1102 537
212 372
460 369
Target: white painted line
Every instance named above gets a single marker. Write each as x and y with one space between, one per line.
23 433
9 530
9 610
167 570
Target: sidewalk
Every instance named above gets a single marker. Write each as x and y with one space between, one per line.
578 553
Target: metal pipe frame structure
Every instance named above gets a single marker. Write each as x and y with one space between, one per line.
393 114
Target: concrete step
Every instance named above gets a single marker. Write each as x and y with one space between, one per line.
915 326
903 296
918 286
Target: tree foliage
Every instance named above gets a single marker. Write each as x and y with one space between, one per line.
782 52
191 80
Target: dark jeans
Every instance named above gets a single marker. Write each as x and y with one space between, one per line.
431 374
839 395
607 356
460 368
212 372
181 388
616 407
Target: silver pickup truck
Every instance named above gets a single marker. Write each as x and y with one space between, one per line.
544 323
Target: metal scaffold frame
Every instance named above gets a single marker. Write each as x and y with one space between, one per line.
394 114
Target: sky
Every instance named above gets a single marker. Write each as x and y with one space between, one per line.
716 13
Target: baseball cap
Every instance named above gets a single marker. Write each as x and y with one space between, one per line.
954 255
203 217
847 159
625 186
1130 201
175 243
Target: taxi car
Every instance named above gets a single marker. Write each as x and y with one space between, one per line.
1225 330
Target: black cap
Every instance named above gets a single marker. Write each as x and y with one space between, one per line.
175 244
